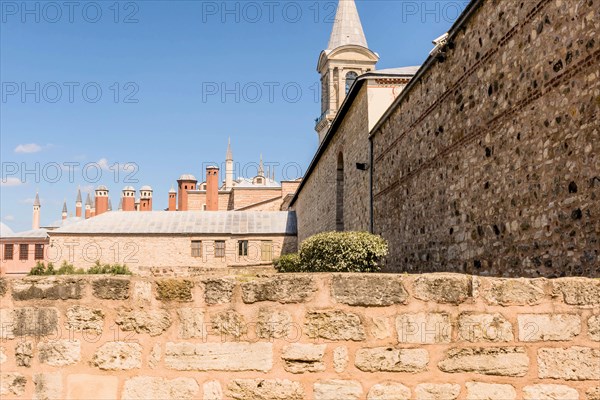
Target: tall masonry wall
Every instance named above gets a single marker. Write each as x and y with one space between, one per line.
490 162
300 336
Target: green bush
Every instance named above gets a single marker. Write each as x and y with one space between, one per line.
69 269
107 269
342 252
288 263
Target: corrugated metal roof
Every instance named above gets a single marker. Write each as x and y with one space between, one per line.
32 234
186 222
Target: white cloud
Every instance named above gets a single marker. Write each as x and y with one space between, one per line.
12 181
28 148
9 217
103 164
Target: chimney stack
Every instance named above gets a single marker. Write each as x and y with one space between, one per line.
145 198
184 183
101 200
88 207
128 199
78 204
172 199
212 188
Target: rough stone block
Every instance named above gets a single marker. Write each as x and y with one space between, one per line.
594 327
35 321
212 391
147 387
380 328
280 288
548 327
578 291
118 356
229 356
593 393
218 290
443 288
549 392
48 386
389 359
7 323
336 389
340 359
59 353
437 391
265 389
153 322
191 323
515 292
3 357
82 318
500 361
12 383
474 327
490 391
3 286
389 391
334 325
368 290
299 358
142 292
155 356
424 328
228 323
52 288
571 364
174 290
24 354
92 387
273 324
111 288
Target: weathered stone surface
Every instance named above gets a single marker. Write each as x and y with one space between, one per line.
12 383
3 357
299 358
573 363
59 353
578 291
35 321
146 388
81 318
380 329
212 391
24 353
389 391
443 288
229 356
594 327
368 290
547 327
142 292
228 323
118 356
391 360
549 392
515 292
424 328
7 323
48 288
151 322
501 361
265 389
48 386
97 387
334 325
490 391
437 391
174 290
218 290
474 327
111 288
340 359
3 286
336 389
280 288
155 356
191 323
593 393
274 324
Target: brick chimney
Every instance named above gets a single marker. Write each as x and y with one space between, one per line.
145 198
184 183
101 200
128 199
172 200
212 188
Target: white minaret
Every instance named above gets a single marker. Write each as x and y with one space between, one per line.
36 212
229 167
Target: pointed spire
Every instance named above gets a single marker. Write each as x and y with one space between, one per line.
347 28
121 204
172 190
78 200
36 202
88 200
109 205
64 210
261 167
229 155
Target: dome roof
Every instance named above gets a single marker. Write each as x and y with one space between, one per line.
102 187
129 188
146 187
5 230
187 177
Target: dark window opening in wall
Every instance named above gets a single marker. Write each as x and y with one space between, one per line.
9 251
243 248
339 194
350 78
39 251
196 248
23 252
219 248
266 250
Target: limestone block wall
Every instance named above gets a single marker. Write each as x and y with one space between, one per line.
319 337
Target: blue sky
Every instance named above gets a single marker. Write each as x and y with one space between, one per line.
157 87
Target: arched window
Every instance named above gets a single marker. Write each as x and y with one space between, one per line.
350 78
339 194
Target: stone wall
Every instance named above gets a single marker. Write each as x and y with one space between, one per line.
489 163
318 337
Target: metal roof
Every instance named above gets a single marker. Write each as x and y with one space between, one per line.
5 230
186 222
347 28
32 234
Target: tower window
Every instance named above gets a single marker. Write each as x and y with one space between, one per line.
350 78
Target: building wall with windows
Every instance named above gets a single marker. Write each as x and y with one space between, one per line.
18 254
